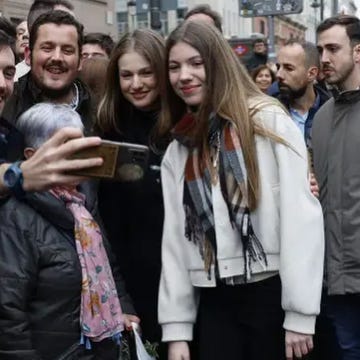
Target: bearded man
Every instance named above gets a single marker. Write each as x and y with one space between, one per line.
298 67
54 55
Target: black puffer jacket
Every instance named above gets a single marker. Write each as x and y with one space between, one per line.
40 281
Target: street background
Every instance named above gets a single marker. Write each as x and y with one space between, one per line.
117 16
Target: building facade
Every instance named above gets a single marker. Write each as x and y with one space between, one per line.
300 26
233 24
174 11
312 14
348 7
14 9
95 15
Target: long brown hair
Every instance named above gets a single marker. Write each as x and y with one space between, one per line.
93 74
113 107
229 90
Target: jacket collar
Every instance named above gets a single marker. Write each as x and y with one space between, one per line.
350 96
51 208
55 211
27 85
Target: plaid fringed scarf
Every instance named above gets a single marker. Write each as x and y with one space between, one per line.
197 198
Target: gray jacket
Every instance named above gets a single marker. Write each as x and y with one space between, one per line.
336 148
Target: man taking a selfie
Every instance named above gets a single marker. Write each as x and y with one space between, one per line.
54 54
50 165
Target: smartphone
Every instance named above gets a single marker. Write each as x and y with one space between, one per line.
122 161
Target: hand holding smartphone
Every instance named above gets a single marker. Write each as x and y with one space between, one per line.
122 161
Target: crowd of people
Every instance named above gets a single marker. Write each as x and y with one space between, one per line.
240 240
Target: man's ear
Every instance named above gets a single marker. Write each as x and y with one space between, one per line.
29 152
313 72
356 53
80 65
27 56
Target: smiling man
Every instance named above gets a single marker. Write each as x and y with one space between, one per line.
54 53
51 166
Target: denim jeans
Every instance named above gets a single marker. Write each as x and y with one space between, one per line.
326 345
344 312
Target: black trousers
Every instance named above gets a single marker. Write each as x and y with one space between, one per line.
242 322
326 345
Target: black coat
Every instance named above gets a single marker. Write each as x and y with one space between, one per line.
255 61
133 217
11 142
40 281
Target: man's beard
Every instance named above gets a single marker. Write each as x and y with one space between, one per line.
55 94
49 93
288 94
340 77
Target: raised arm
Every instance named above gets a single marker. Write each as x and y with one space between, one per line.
50 164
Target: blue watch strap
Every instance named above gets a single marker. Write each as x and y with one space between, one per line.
13 179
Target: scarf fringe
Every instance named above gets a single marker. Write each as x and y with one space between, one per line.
195 234
193 228
117 338
86 341
252 249
208 258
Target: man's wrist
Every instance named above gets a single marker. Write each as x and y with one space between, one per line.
4 191
13 180
26 182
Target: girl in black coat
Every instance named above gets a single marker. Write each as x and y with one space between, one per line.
133 211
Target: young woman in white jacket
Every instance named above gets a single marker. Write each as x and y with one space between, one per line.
243 244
